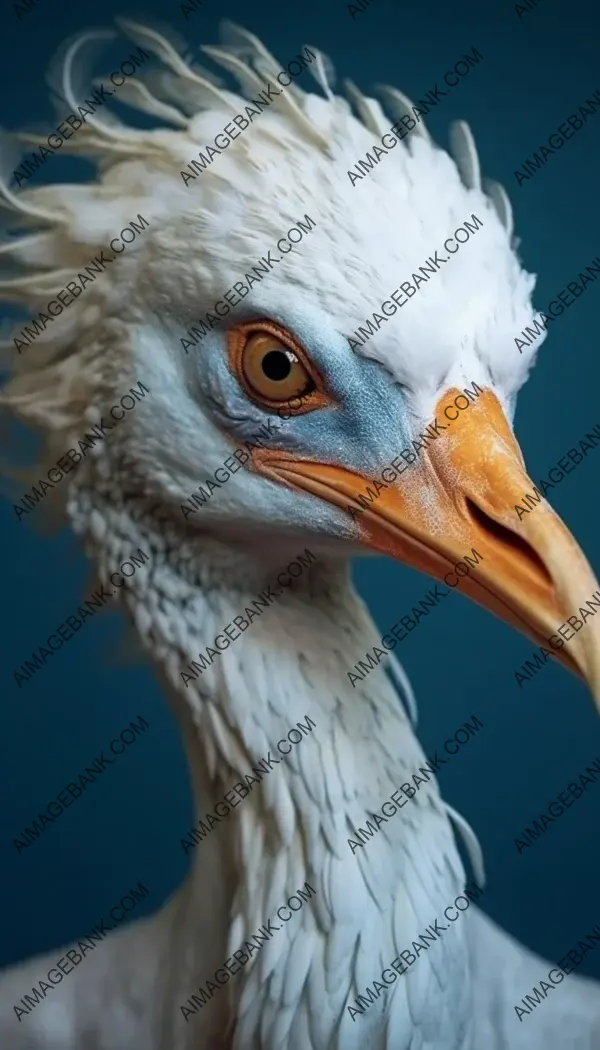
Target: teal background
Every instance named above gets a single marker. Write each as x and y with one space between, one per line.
127 827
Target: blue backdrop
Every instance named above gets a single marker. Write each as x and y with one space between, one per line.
537 69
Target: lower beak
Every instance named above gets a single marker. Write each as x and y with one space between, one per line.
459 498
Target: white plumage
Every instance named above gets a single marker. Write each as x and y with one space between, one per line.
293 662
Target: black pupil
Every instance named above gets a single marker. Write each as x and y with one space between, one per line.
276 365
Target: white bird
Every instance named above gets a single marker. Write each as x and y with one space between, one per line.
367 402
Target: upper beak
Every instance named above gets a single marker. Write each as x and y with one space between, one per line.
459 496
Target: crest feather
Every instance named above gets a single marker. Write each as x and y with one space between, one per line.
399 105
464 152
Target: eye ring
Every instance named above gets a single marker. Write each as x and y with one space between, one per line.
273 368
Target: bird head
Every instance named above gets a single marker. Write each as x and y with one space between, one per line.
394 437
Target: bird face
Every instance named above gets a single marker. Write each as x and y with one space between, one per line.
359 457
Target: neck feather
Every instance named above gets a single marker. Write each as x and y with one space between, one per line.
352 749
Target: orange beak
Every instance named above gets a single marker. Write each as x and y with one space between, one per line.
459 496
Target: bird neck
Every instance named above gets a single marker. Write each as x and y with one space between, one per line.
272 721
288 759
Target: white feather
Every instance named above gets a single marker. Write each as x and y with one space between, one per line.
464 152
399 106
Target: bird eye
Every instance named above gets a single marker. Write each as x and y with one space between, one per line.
270 364
273 371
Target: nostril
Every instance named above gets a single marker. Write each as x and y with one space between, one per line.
507 539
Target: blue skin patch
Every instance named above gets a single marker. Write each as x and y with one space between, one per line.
511 407
363 432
